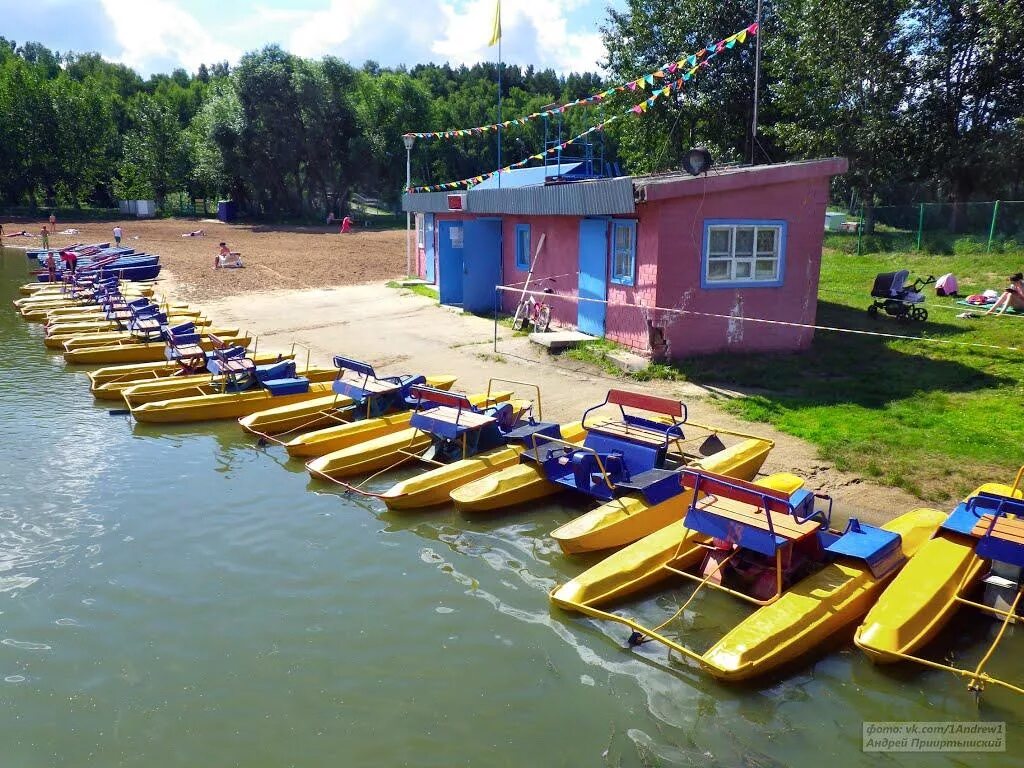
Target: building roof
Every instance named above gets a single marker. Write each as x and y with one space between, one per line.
604 197
526 177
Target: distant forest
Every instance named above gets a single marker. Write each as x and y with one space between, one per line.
925 97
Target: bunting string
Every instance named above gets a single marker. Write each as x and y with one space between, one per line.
700 62
666 72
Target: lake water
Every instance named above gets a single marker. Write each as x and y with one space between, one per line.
178 597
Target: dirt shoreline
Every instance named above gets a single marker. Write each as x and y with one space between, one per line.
315 287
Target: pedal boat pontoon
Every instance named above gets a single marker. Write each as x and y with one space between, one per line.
771 549
979 545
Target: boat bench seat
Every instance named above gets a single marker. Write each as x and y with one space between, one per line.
633 432
1002 540
445 421
746 525
531 434
291 386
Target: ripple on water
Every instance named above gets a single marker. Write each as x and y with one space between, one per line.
25 645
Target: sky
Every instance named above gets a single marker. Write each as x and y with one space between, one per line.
160 35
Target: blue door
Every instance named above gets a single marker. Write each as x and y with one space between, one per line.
593 276
428 247
482 260
449 262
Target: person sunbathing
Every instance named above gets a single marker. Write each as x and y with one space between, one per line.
196 233
1013 296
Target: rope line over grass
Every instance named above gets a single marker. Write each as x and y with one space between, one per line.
765 321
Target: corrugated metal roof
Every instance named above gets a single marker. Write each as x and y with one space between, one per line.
597 197
526 177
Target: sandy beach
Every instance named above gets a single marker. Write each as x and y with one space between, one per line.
327 292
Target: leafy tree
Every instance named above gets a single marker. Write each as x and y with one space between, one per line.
830 102
155 157
713 109
968 105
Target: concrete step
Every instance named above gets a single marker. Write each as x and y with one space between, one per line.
627 361
556 341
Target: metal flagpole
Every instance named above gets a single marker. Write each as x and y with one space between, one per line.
757 84
499 94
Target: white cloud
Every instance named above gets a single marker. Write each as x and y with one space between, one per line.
150 31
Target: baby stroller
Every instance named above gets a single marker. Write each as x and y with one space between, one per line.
892 294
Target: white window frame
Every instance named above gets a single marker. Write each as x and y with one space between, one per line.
743 267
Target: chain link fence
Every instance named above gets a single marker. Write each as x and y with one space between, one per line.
995 226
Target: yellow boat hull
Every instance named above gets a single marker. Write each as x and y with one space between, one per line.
629 518
85 340
60 336
313 414
435 486
197 386
108 383
230 405
513 485
921 600
382 451
151 352
331 439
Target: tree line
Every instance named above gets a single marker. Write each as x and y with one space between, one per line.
923 96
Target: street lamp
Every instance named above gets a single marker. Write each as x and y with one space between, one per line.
408 139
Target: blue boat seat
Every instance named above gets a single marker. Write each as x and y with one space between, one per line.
878 548
656 485
284 369
295 385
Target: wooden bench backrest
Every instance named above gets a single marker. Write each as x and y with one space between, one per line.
738 490
440 397
651 403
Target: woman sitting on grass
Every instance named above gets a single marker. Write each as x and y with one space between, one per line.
1013 296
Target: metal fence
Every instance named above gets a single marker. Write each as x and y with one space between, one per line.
994 226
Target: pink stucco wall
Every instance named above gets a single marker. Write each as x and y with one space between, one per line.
680 231
558 259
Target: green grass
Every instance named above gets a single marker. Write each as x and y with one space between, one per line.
935 419
596 353
421 290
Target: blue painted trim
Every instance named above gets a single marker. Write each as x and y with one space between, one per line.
631 279
523 265
733 284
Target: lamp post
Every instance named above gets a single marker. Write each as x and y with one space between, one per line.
408 140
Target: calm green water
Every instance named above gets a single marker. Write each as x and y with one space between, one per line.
176 597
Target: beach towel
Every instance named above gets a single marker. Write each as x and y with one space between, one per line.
968 303
68 232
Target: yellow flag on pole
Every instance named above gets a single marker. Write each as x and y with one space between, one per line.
496 34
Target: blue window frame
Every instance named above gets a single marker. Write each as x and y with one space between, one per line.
623 255
743 253
523 246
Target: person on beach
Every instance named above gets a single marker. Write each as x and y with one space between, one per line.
222 256
51 267
117 235
346 225
53 222
45 233
1013 296
70 259
195 233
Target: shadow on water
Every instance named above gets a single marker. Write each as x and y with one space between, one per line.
846 368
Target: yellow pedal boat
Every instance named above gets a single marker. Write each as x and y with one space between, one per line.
228 405
628 518
198 386
57 338
74 325
774 536
390 443
314 414
108 383
434 486
923 598
150 352
112 338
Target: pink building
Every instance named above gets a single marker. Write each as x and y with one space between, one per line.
672 265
